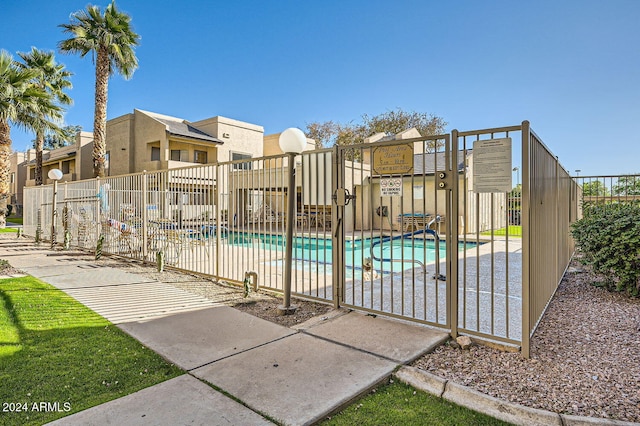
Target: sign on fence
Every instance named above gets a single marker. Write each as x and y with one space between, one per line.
393 160
391 187
492 165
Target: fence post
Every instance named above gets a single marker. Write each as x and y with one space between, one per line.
145 217
99 213
452 234
217 198
39 226
54 214
559 216
337 235
526 241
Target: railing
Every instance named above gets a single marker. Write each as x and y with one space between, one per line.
222 220
607 190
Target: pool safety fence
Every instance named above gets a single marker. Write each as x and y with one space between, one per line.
467 232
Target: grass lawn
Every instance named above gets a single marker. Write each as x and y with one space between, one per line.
16 220
399 404
514 231
58 357
8 230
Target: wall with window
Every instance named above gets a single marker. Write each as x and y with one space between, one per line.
237 137
75 161
18 167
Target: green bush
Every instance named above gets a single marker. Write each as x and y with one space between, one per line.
609 238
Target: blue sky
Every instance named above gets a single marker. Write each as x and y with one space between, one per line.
571 67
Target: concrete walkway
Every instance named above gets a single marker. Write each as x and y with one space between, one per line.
293 376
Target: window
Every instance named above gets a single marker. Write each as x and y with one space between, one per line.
32 173
155 153
179 155
200 157
66 167
239 156
13 177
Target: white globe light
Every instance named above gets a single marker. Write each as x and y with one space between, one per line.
55 174
292 140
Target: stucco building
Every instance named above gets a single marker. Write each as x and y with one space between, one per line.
150 141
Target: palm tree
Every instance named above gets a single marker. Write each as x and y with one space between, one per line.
22 104
111 39
53 78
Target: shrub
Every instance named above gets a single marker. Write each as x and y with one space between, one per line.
609 238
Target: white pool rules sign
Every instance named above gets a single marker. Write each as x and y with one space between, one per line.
492 165
391 187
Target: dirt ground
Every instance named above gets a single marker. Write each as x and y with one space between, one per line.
267 308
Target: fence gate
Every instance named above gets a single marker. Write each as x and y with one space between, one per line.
393 218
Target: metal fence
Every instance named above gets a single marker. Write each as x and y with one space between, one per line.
608 190
422 243
223 220
548 211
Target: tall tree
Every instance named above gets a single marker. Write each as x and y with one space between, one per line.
66 136
391 122
323 133
24 105
52 78
396 121
110 38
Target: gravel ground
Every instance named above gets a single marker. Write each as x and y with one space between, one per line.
585 356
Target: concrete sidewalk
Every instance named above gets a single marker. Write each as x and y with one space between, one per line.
293 376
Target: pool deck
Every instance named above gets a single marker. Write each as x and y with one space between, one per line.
489 289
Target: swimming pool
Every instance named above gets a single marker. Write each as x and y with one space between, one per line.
387 256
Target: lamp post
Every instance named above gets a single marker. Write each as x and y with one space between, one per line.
578 172
55 175
517 170
292 142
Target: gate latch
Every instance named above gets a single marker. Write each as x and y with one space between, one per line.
342 197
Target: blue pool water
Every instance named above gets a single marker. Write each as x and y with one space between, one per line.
395 255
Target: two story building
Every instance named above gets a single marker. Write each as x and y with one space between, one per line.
144 140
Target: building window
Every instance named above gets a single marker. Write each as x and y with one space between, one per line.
32 174
66 167
239 156
179 155
200 157
13 177
107 157
155 153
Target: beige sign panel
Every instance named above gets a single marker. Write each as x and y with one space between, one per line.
393 160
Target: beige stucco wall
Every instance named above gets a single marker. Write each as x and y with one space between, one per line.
237 136
18 173
84 155
78 158
272 147
120 145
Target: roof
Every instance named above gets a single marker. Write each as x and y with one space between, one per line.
179 127
429 163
